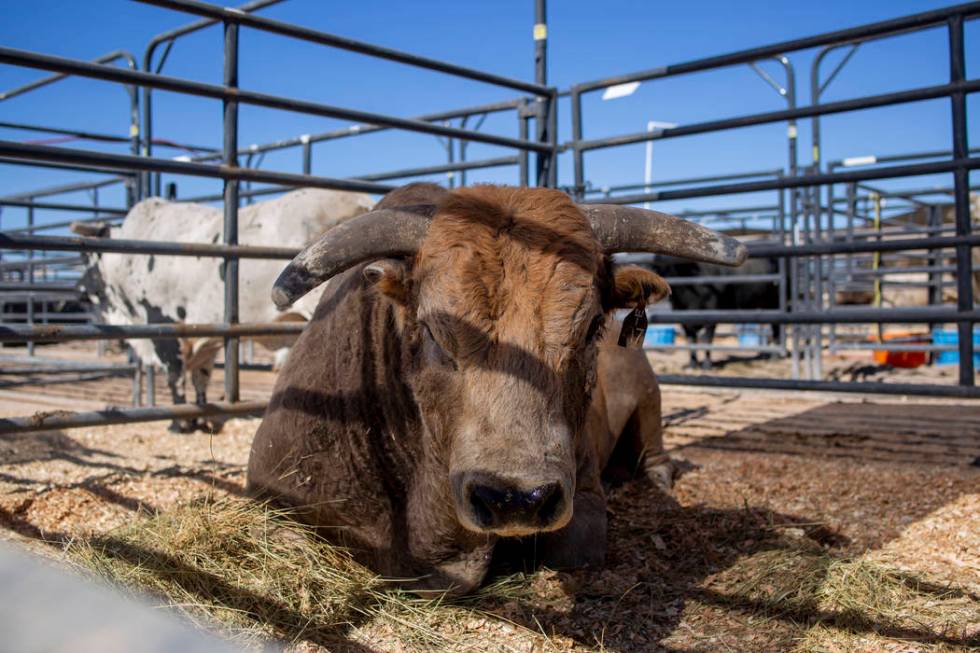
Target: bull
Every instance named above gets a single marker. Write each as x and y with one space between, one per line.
719 296
441 398
146 289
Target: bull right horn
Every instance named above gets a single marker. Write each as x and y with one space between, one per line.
631 229
373 235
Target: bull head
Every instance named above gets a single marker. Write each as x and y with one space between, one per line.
500 295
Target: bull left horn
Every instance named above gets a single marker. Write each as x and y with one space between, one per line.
373 235
630 229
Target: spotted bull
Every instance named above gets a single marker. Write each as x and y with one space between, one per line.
139 289
440 400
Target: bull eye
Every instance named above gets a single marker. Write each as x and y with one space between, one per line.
433 350
594 329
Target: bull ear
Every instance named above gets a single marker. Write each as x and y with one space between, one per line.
636 287
389 276
92 229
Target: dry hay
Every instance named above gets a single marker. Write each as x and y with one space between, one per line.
253 574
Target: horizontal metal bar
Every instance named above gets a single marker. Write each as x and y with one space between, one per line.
54 317
867 387
334 41
886 346
41 262
65 188
869 102
762 349
834 316
855 247
61 207
125 246
6 286
446 167
61 166
15 297
801 181
58 420
892 26
66 369
360 129
163 82
36 84
722 280
60 333
127 162
677 182
33 229
84 135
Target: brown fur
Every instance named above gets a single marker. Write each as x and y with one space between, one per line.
475 360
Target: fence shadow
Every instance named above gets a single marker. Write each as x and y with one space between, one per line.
894 433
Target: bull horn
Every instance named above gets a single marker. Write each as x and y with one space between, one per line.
630 229
373 235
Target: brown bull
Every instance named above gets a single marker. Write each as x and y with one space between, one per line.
440 398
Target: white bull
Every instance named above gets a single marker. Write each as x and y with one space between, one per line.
131 289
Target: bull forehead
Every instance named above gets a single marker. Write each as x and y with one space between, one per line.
500 265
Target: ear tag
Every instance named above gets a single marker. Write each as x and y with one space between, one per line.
634 329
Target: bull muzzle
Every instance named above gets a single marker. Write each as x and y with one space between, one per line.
488 503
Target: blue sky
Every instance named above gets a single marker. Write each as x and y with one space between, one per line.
588 40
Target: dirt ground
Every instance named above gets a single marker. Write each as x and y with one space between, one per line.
889 480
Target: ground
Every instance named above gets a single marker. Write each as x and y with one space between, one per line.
790 504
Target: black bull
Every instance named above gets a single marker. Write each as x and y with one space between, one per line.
719 295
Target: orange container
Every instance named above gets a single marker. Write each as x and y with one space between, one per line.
903 358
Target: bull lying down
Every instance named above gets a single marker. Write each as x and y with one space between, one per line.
440 398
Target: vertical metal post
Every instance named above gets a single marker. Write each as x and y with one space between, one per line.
231 210
523 163
30 276
578 164
545 105
151 389
961 177
307 154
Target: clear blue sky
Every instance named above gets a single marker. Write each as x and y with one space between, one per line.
588 40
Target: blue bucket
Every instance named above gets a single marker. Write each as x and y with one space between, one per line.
750 335
951 337
659 335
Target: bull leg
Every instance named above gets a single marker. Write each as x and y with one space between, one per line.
691 334
200 378
582 542
709 336
641 446
176 382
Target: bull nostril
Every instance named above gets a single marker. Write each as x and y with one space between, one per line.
486 503
492 507
549 503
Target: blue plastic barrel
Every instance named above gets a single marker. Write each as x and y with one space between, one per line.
750 335
951 337
659 335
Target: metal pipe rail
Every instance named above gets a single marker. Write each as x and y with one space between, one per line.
117 162
127 246
201 89
54 206
863 387
65 420
835 316
221 14
801 181
361 129
892 26
60 333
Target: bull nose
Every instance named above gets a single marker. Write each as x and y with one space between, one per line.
501 505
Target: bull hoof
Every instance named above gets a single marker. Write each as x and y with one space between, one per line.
183 426
663 475
212 426
707 365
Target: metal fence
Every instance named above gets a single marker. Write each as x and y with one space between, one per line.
536 104
807 247
813 253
